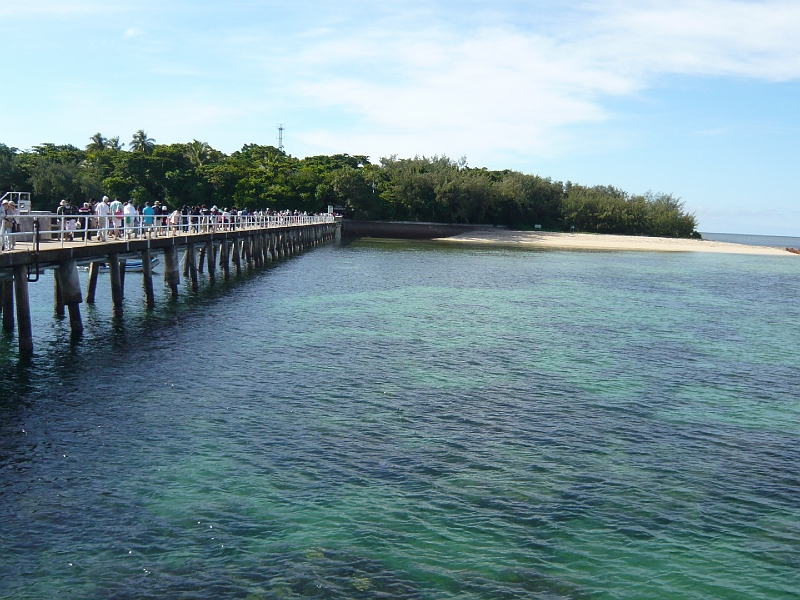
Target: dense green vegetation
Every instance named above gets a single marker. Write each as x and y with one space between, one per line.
417 189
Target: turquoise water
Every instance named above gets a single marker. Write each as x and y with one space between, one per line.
407 420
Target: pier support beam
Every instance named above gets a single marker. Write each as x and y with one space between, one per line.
70 285
202 258
259 257
8 305
116 284
212 267
237 259
186 262
24 332
58 298
147 279
248 254
94 271
225 259
191 259
172 273
123 262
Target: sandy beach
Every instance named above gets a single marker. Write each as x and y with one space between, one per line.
590 241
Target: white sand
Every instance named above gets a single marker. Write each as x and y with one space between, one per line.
591 241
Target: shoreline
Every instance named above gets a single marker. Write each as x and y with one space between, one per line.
599 241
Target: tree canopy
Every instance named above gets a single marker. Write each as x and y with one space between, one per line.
414 189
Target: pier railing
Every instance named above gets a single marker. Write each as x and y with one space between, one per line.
90 229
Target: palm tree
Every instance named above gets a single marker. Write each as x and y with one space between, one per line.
198 152
98 143
142 143
113 144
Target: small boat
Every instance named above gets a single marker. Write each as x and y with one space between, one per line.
136 265
131 265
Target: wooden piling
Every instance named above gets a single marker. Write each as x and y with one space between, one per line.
8 305
237 259
147 279
212 275
24 331
122 264
58 298
259 257
246 251
224 256
94 271
186 262
116 284
202 258
191 258
71 293
172 271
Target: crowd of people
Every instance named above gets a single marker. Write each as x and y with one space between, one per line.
114 219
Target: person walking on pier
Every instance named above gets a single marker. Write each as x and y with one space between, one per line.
102 211
130 212
116 219
7 225
3 225
83 222
65 210
148 215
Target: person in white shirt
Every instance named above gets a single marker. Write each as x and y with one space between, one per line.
3 225
116 218
130 212
102 211
10 214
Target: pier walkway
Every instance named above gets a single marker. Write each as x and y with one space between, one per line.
50 242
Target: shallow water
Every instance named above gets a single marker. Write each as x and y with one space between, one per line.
407 420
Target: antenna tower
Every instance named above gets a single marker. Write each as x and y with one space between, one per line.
280 137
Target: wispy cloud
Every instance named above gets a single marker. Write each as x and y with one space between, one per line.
132 32
515 88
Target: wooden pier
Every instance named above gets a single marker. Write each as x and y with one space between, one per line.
252 245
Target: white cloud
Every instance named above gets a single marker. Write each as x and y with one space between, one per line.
515 88
132 32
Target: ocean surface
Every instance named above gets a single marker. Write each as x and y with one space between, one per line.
411 420
776 241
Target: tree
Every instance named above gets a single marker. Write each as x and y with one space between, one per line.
98 143
198 153
12 176
142 143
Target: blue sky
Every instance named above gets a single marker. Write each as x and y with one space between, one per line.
699 99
